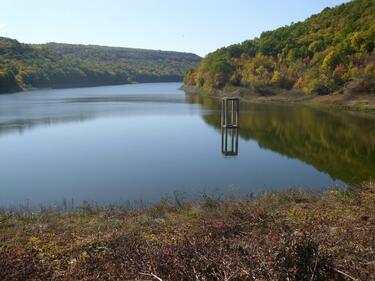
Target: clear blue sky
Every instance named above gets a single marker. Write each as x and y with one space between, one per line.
198 26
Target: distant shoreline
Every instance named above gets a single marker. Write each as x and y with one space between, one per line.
87 86
57 65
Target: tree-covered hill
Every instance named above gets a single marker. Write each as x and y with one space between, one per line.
55 65
330 52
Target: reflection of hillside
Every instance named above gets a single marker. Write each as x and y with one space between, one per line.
21 126
338 143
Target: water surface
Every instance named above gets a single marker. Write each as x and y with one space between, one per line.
141 142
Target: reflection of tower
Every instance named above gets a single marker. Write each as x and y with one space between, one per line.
230 110
229 147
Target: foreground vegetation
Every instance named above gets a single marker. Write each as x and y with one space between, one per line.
53 65
291 235
330 52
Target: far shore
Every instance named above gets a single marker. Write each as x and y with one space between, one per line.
26 90
353 102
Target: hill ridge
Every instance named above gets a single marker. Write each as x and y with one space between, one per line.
332 51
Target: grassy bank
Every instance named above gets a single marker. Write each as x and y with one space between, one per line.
352 102
291 235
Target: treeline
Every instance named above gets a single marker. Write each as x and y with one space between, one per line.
55 65
330 52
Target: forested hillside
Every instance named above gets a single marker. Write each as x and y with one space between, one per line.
55 65
330 52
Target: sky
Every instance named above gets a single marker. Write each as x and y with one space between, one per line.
197 26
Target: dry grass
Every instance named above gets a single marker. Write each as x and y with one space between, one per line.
361 102
290 235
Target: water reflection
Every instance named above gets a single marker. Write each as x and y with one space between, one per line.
23 125
339 143
22 112
109 144
229 148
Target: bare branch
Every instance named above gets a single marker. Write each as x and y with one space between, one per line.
345 274
152 275
196 274
315 264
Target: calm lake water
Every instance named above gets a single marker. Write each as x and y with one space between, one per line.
142 142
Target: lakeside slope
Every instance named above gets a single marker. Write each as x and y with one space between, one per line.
331 53
291 235
350 101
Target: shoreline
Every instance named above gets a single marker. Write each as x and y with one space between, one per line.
293 235
349 102
26 90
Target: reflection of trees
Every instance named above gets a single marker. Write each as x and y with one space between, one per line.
339 143
23 125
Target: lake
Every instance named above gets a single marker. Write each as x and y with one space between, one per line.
145 141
